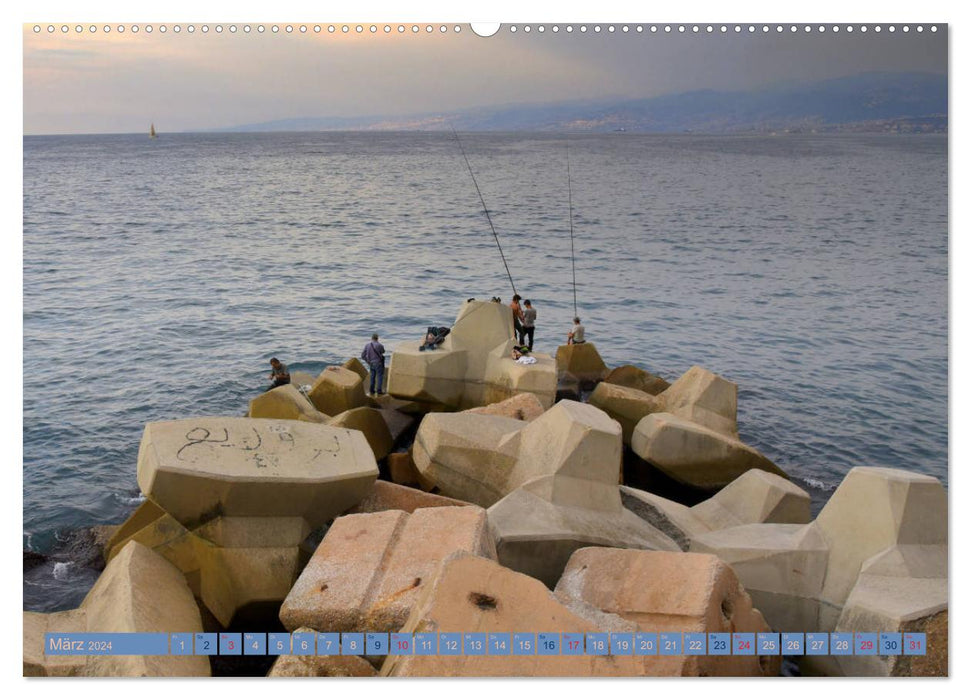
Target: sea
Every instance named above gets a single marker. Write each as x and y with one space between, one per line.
160 275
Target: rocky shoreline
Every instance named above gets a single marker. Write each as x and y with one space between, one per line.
485 495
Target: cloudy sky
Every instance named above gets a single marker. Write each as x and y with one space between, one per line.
118 82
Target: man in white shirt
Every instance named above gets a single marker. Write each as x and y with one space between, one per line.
575 337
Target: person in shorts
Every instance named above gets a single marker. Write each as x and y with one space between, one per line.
517 319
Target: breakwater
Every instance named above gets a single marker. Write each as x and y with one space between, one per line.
524 517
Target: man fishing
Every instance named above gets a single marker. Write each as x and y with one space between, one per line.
279 374
575 336
517 319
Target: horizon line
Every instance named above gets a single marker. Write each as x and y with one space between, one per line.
826 130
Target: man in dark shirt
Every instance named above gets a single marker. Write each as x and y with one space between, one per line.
279 375
373 355
529 323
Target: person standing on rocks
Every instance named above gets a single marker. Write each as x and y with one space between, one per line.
279 374
517 319
575 336
373 355
529 324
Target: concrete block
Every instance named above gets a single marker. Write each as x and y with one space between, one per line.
36 626
567 387
402 469
358 368
903 589
229 562
875 559
781 566
232 578
636 378
757 496
693 454
625 405
873 509
581 361
473 366
465 455
139 591
369 570
387 496
146 513
675 520
336 390
670 592
482 458
370 422
302 379
754 497
538 526
475 594
287 403
199 468
525 407
398 423
704 398
571 439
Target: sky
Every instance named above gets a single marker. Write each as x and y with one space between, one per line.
97 82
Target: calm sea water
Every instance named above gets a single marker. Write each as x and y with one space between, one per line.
160 276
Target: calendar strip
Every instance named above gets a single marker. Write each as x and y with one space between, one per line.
489 644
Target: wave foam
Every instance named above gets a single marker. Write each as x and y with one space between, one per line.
130 500
817 484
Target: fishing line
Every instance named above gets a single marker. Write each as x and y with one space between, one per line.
484 208
573 258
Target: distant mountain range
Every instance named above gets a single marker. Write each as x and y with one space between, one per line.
911 102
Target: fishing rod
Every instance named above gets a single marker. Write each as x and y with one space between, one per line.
485 209
573 257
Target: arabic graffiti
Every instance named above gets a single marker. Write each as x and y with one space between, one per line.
203 436
333 451
263 450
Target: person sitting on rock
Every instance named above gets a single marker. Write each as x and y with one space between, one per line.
434 337
575 336
279 376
